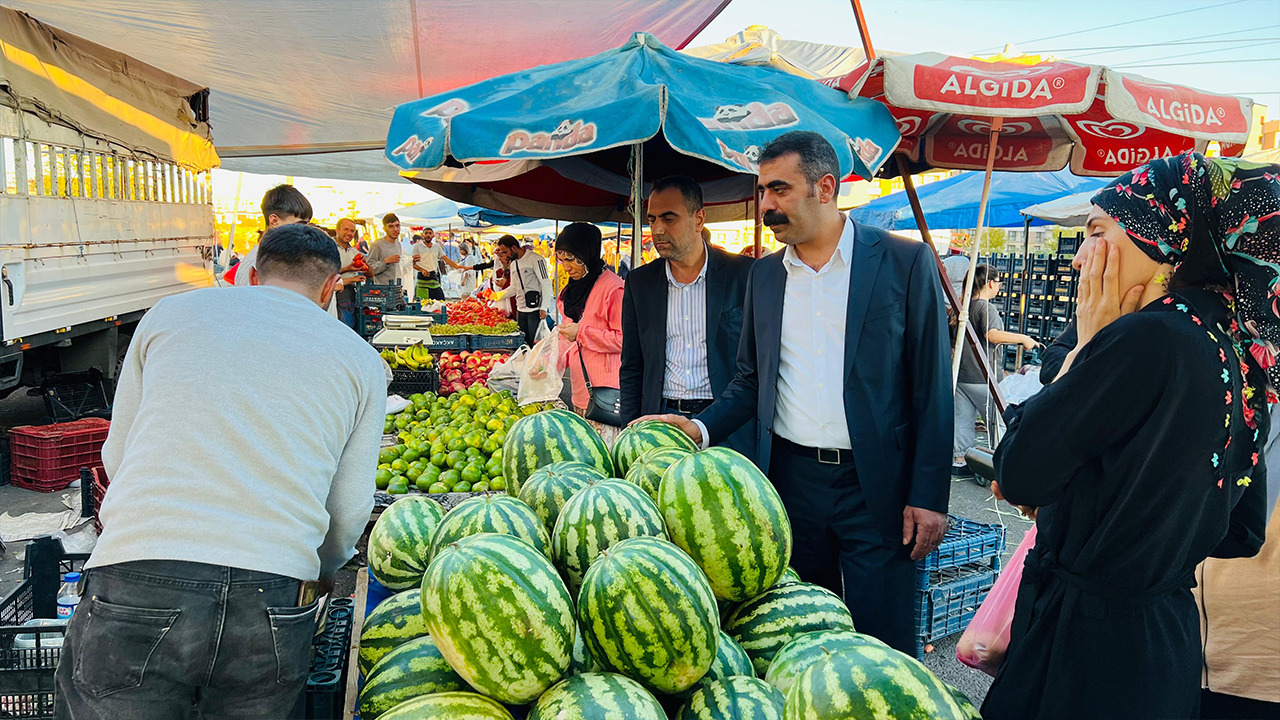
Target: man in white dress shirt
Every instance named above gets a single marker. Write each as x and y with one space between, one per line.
845 366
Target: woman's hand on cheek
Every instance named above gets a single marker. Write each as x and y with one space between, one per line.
1101 301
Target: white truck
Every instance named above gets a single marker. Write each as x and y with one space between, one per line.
105 201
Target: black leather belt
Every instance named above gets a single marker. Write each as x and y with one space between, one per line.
686 407
826 456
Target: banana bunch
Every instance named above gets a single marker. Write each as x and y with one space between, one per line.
414 357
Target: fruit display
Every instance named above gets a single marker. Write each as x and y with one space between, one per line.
644 436
969 712
551 437
415 668
501 514
647 470
451 705
500 615
399 539
765 623
720 488
796 656
395 621
648 613
596 517
548 489
730 660
414 357
732 698
597 695
508 327
871 682
459 371
581 661
469 311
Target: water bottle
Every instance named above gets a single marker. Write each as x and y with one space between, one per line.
68 595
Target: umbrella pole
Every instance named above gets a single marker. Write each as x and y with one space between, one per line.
996 124
637 201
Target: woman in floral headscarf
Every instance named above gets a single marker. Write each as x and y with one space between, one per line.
1143 456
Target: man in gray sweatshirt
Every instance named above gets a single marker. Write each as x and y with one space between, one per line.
232 493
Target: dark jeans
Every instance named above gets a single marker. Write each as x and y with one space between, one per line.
528 322
837 545
166 639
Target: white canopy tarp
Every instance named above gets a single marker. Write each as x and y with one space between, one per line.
1067 211
306 87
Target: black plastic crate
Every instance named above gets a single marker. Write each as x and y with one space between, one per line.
1015 284
1062 309
1009 359
326 681
1057 326
27 674
77 395
1037 306
407 382
1036 327
1001 263
1040 264
1039 286
5 458
1018 264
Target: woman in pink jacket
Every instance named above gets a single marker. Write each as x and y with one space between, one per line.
591 309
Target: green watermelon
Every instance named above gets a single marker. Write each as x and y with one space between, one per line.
491 513
550 487
804 650
500 615
789 577
597 696
448 706
582 662
647 470
415 668
644 436
647 612
548 437
965 704
870 683
395 621
765 623
596 517
718 488
397 548
730 660
734 698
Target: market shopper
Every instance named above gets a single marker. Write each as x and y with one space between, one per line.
281 205
232 493
344 293
427 259
844 364
384 254
682 315
530 284
1144 456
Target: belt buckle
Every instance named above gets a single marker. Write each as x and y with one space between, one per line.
833 453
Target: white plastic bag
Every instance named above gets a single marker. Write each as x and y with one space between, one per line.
1020 386
510 368
544 329
542 378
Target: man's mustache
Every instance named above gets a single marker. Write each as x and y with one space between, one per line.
775 217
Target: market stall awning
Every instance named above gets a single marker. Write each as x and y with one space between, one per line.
422 213
478 217
953 202
1069 211
306 87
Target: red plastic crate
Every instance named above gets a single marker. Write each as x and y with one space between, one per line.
48 457
100 483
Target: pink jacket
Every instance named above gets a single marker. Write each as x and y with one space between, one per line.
599 338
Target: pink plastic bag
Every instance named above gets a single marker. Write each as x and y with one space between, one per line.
985 641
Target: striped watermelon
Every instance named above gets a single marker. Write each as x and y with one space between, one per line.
548 437
597 696
582 662
491 513
647 612
789 577
397 548
966 705
719 488
734 698
647 470
730 660
644 436
804 650
415 668
870 683
765 623
500 615
395 621
449 706
596 517
550 487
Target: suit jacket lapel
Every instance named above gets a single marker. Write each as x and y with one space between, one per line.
769 320
659 334
862 279
715 295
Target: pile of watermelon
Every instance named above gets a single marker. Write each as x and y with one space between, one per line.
646 582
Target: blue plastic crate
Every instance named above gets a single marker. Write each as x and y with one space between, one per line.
497 342
946 607
967 542
448 342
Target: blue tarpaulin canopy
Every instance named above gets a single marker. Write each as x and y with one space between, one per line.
478 217
953 203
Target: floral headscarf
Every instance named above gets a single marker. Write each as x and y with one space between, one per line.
1218 222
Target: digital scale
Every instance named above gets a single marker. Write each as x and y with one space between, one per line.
403 330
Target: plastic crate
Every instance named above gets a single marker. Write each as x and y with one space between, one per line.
384 297
496 342
965 543
449 342
4 459
1040 264
77 395
1036 327
326 681
407 382
26 674
1057 326
946 606
47 458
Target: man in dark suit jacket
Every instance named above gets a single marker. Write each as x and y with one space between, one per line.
682 315
844 364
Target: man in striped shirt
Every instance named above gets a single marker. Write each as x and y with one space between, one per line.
682 314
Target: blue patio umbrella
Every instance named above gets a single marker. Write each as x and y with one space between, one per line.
575 140
477 217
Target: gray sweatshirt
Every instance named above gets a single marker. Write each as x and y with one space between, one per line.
245 433
383 273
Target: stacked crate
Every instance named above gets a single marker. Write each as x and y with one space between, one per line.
954 579
371 301
48 458
1039 304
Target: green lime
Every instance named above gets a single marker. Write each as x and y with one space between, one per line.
399 465
471 474
497 483
455 458
480 487
386 455
450 477
382 478
462 487
411 454
437 488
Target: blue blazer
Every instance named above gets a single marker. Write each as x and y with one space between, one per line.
897 391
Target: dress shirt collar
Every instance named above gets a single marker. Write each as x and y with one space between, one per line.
842 255
702 274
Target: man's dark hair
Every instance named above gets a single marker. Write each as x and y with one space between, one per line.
689 189
283 200
301 253
390 218
983 274
817 157
509 241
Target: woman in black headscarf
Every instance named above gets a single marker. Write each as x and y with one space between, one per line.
591 307
1143 456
